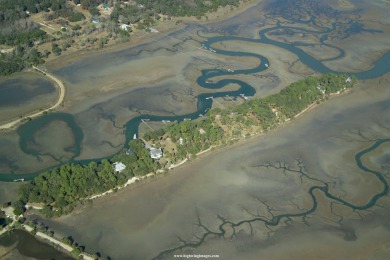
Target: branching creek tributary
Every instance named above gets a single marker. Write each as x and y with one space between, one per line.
276 219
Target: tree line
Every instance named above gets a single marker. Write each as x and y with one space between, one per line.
148 11
186 7
20 58
290 101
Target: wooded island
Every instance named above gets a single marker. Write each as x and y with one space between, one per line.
66 187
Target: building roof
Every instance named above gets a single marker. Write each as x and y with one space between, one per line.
181 140
155 153
118 166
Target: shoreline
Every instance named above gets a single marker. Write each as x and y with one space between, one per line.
14 123
237 141
151 174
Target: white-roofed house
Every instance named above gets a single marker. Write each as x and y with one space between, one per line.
118 166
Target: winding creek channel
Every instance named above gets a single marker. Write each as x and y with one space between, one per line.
204 102
144 227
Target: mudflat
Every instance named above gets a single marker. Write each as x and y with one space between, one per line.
263 177
299 191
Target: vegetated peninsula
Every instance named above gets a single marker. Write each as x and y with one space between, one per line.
62 189
34 31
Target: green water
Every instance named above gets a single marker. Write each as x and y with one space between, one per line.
15 91
28 246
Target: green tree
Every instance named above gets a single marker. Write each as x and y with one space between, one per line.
18 207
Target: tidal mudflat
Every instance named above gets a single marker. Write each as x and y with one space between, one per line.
264 177
298 191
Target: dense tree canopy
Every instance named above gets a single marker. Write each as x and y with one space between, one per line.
290 101
184 7
63 187
18 59
14 10
23 37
